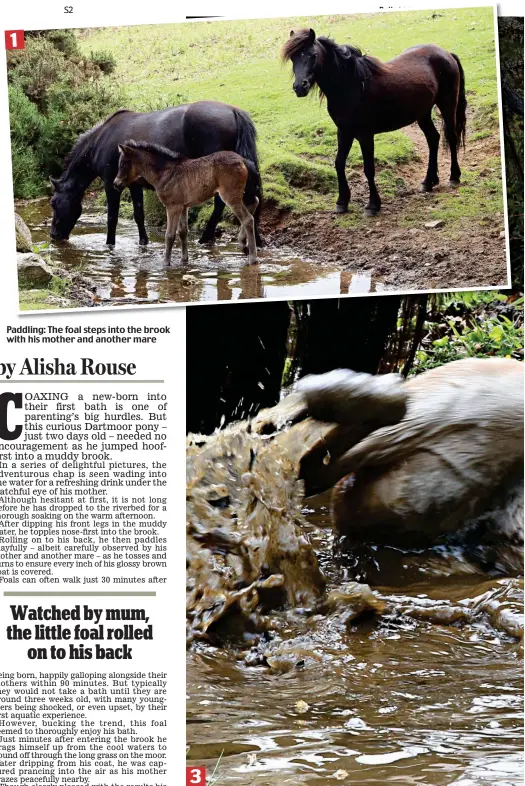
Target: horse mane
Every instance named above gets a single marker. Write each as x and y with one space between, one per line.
329 53
84 144
151 147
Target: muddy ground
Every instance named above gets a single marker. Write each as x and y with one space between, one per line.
396 247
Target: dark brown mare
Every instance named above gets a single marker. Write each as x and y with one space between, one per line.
182 182
367 97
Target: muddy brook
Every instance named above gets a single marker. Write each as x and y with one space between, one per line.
131 275
383 666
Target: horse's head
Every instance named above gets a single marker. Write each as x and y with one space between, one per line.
126 166
304 52
66 203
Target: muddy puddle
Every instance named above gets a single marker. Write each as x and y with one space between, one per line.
387 666
129 275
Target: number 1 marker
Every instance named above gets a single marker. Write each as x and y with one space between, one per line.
14 39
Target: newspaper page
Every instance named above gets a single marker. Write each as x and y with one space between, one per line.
345 442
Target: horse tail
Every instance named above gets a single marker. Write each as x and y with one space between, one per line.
252 190
246 146
461 108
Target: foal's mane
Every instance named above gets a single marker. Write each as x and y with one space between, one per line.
159 150
84 144
332 56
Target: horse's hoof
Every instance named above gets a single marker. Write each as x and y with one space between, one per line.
110 246
253 261
371 211
454 183
425 188
341 208
143 242
206 240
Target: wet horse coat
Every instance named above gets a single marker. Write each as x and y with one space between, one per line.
420 459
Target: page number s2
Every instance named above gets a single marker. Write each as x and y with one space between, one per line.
195 776
68 9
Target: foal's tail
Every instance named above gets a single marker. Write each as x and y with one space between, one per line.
461 108
246 147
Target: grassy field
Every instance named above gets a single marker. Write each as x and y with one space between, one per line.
238 62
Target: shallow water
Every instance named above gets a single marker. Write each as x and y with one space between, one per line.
130 275
399 701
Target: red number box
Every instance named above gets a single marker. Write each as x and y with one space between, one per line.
14 39
195 776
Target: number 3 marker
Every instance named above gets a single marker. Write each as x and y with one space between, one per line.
14 39
195 776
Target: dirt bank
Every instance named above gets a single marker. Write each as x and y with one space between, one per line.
418 241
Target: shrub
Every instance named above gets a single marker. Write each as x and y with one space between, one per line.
472 324
63 40
26 131
104 60
54 95
35 69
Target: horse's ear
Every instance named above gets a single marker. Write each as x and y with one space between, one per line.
123 149
311 35
292 33
55 184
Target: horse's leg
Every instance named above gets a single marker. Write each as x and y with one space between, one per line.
173 214
367 148
253 209
432 136
183 233
258 239
113 199
137 197
238 208
208 235
344 142
448 114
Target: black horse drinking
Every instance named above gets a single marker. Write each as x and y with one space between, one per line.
193 130
367 97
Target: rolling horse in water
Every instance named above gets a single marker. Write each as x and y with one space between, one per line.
192 130
367 97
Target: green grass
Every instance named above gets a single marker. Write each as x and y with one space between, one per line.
238 62
35 300
478 200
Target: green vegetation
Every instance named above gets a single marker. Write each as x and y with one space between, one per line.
35 300
55 93
38 299
471 324
238 62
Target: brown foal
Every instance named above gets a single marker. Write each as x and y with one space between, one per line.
183 182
